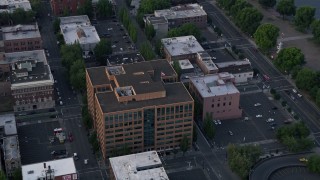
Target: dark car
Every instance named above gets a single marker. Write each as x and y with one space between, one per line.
274 108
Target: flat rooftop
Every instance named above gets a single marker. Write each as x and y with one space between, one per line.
177 46
20 32
206 59
82 33
11 5
214 85
140 166
157 20
60 167
37 55
185 64
127 58
235 67
182 11
8 124
221 56
83 19
11 148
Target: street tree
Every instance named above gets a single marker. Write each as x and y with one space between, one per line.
268 3
288 58
304 17
102 49
86 8
185 30
5 18
35 5
306 79
2 175
238 6
286 8
77 75
208 126
226 4
184 144
266 36
313 163
69 54
133 32
20 16
248 19
56 25
315 27
104 8
147 51
149 6
150 32
17 174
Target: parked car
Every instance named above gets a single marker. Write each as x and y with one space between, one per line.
219 122
270 120
294 90
259 116
75 156
215 122
303 159
257 104
230 133
299 95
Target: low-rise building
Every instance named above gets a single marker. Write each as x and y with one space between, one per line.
146 165
218 95
179 48
204 61
31 81
179 15
61 7
21 38
78 29
140 106
241 70
62 169
186 66
160 25
11 5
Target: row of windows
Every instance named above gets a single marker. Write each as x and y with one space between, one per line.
32 89
28 101
174 109
218 105
22 43
224 98
123 117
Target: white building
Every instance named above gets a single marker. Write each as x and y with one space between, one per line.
140 166
179 48
64 169
78 29
11 5
241 70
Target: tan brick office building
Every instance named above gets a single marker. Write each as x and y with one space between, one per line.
140 106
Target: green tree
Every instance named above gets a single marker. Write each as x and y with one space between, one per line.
17 174
208 126
56 25
266 36
195 133
77 75
159 48
288 58
86 8
286 8
148 6
5 18
185 30
104 8
150 32
313 163
146 51
2 175
318 97
226 4
268 3
306 79
20 16
102 49
132 32
248 20
177 68
184 144
35 5
69 54
238 6
304 17
315 26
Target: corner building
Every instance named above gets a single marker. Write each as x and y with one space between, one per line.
140 106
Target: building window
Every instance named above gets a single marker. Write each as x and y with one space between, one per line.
224 104
218 104
230 103
212 105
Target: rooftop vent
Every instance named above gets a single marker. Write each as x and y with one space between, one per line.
30 172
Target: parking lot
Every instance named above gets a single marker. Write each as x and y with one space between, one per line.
114 31
34 142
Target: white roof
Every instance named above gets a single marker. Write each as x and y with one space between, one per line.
78 29
37 55
140 166
182 11
206 59
8 121
233 63
14 4
182 45
21 32
214 85
60 167
185 64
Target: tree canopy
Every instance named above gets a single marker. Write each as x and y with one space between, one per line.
35 5
69 54
268 3
185 30
238 6
315 26
208 126
306 79
286 7
304 17
86 8
150 32
184 144
313 163
102 49
104 8
248 20
289 58
18 16
77 75
226 4
148 6
147 51
266 36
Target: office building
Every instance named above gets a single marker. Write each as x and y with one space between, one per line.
78 29
11 5
61 169
139 106
179 15
31 81
179 48
241 70
61 7
218 95
140 166
21 38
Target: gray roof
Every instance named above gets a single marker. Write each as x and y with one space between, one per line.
11 148
37 55
8 123
21 32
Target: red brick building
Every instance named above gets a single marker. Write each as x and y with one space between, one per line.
61 6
